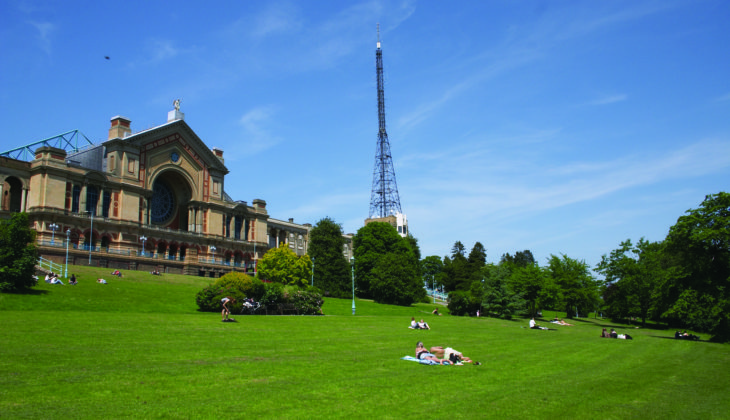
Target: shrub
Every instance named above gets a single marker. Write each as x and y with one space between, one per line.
307 302
273 294
250 287
209 299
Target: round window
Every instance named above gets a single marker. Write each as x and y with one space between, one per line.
163 202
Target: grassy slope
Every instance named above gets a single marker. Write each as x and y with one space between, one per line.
137 348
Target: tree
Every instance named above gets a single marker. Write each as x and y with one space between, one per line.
521 258
699 242
393 280
579 289
527 281
431 266
498 300
18 254
371 243
282 265
477 257
456 270
634 274
331 268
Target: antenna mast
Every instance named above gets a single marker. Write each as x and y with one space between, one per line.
384 199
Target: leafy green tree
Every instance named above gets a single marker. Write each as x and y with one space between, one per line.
578 287
498 299
635 273
527 281
699 242
431 267
18 254
395 280
521 259
371 243
331 269
413 242
282 265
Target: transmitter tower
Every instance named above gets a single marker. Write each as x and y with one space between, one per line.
384 199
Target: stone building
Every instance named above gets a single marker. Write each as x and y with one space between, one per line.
151 200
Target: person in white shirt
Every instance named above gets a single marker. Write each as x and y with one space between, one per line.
225 312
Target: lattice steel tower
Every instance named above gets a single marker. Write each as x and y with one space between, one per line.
384 200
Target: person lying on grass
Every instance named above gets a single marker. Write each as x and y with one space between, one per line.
450 354
423 354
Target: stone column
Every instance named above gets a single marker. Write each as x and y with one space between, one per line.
82 200
23 196
100 204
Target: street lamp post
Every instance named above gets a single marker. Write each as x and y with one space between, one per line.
144 240
352 264
91 234
53 227
212 249
68 232
433 290
312 271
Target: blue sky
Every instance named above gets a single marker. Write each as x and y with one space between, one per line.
554 126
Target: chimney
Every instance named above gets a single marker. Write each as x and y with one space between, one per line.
219 154
120 128
291 220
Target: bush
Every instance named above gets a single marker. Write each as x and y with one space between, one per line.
273 294
209 299
250 287
307 302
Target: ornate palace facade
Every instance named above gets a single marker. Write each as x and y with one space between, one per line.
152 200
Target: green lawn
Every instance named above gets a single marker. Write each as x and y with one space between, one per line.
138 348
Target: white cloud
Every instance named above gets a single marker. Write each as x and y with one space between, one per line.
724 98
609 99
256 136
44 29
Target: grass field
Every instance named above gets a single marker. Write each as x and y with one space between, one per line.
138 348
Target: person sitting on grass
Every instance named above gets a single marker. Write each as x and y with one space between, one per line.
423 354
100 280
436 311
535 326
422 325
414 324
72 281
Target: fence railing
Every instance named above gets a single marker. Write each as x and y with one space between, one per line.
50 265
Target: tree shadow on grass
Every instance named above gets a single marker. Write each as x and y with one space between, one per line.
26 292
676 339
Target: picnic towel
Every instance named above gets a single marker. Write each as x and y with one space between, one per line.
423 362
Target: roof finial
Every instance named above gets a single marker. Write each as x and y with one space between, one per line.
378 28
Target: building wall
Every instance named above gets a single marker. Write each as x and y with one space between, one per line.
55 187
